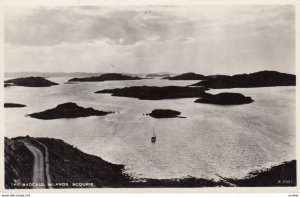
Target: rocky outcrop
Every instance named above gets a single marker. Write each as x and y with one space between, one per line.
188 76
67 110
225 99
29 82
106 77
258 79
156 93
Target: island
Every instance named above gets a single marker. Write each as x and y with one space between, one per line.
225 98
164 113
106 77
257 79
68 165
29 82
6 85
67 110
13 105
188 76
156 93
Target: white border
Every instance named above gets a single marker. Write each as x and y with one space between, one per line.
31 3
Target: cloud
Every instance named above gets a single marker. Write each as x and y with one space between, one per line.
57 25
204 39
51 26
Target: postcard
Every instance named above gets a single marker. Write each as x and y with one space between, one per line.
147 95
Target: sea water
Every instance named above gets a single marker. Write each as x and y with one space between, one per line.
212 139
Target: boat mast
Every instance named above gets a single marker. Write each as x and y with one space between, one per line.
153 133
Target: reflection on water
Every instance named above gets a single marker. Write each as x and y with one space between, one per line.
227 140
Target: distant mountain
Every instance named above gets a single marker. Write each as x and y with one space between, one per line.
257 79
30 82
59 74
188 76
49 74
106 77
216 76
157 75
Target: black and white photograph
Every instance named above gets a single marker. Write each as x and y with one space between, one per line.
149 96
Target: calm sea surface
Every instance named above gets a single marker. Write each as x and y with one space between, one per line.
224 140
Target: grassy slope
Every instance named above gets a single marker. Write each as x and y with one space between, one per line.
70 165
18 164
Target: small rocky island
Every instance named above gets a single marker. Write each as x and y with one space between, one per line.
67 110
165 113
106 77
29 82
225 99
13 105
188 76
6 85
257 79
156 93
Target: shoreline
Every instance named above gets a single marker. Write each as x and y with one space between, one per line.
72 168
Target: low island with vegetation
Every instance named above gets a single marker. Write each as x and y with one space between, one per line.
225 98
257 79
156 93
67 110
29 82
106 77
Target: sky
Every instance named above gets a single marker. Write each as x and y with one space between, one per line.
207 39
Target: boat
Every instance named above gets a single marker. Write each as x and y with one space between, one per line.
153 138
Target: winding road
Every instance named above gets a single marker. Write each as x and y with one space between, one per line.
40 176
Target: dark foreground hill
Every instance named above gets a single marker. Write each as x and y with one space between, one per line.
279 175
68 165
29 82
188 76
18 164
257 79
156 93
67 110
106 77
